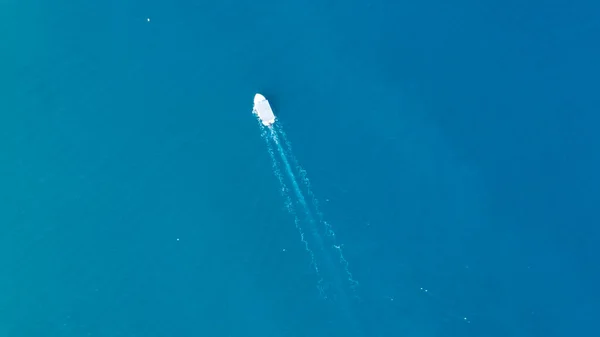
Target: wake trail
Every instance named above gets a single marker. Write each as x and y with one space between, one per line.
328 229
289 206
291 175
322 238
331 276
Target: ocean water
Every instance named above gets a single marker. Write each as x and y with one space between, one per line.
453 149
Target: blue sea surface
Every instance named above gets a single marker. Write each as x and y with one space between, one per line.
453 147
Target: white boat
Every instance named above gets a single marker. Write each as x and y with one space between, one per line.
263 110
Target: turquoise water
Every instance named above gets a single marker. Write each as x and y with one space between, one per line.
453 149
